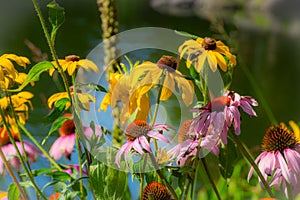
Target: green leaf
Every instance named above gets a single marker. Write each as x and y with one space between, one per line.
59 108
56 17
186 34
227 159
107 183
92 87
13 192
56 125
59 175
34 74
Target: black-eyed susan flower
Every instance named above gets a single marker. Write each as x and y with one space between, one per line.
10 152
138 135
148 74
280 159
202 50
20 103
8 73
156 191
72 62
83 98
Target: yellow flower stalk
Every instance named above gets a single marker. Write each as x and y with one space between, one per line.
72 62
207 49
147 75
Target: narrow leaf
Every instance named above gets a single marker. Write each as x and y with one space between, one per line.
59 108
13 192
34 74
56 14
186 34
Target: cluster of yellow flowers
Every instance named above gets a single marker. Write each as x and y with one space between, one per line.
13 106
132 88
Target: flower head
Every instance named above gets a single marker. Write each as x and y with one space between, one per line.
83 98
156 191
20 103
138 135
280 159
10 152
218 115
148 74
72 62
8 73
65 143
216 53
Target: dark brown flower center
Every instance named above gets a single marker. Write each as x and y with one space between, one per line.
137 128
278 138
72 58
156 191
167 62
209 44
68 127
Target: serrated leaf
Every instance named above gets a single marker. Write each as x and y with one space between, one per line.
13 192
34 73
227 159
186 34
59 108
56 125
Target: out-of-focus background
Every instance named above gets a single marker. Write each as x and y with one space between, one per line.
265 36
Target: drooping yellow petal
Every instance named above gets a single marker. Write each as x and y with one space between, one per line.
56 97
165 94
296 130
20 60
88 65
187 89
105 102
212 61
221 62
71 67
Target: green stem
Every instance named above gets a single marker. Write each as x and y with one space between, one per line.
52 49
28 172
248 156
36 143
210 178
10 171
80 164
161 175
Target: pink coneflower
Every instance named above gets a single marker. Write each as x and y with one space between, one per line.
156 191
218 115
138 135
280 159
189 143
11 154
65 143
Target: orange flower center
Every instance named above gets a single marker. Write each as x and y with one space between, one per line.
4 137
137 128
209 44
72 58
278 138
156 191
68 127
167 62
219 103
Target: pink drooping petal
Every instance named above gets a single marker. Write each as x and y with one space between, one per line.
293 160
237 118
119 154
64 144
158 136
283 166
256 161
247 108
145 144
136 146
88 131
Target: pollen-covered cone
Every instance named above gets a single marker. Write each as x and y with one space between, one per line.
147 75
